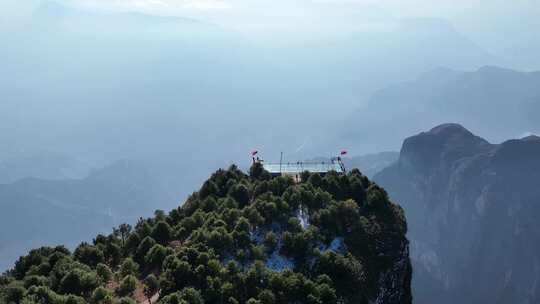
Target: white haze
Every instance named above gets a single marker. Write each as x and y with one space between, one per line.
505 28
93 79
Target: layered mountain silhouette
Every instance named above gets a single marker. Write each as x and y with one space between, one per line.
141 86
42 165
369 164
497 102
472 209
66 211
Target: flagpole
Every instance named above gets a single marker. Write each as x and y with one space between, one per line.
280 162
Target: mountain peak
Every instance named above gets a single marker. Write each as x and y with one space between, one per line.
454 191
254 229
448 128
495 69
451 134
441 146
531 138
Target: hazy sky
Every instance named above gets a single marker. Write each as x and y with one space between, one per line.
339 63
509 29
475 17
411 8
449 9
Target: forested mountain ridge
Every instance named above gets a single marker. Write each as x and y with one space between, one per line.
239 239
473 209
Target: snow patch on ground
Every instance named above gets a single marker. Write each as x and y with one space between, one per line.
279 262
303 216
337 245
257 236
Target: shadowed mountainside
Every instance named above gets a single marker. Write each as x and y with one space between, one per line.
472 208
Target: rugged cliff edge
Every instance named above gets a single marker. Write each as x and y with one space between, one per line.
472 209
239 239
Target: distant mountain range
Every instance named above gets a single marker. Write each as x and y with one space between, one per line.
42 165
473 210
369 164
41 212
497 102
118 85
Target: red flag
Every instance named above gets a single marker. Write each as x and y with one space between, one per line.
254 152
343 152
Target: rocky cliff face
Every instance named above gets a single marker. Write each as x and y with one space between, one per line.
394 284
472 209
